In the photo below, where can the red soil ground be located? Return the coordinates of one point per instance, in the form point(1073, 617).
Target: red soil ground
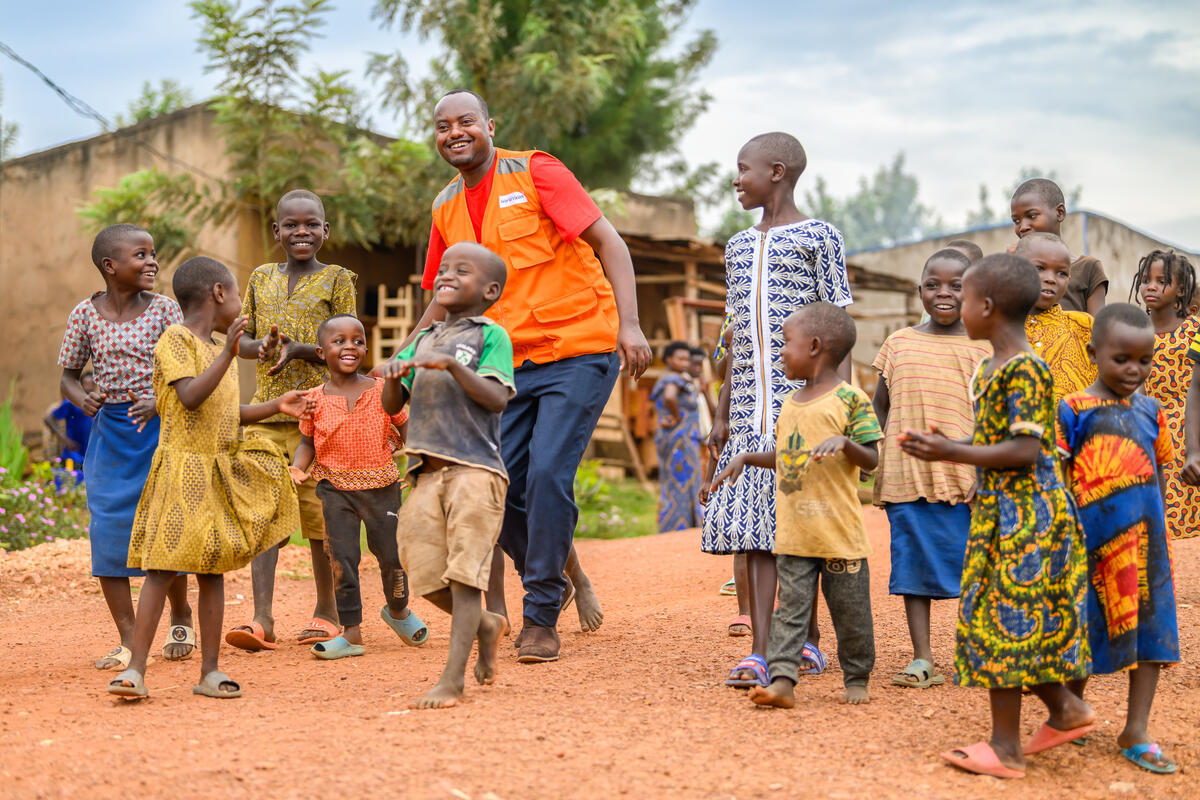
point(636, 709)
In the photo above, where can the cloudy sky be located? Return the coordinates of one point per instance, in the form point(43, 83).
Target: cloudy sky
point(1105, 93)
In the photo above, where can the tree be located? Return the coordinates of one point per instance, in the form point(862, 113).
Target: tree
point(589, 80)
point(8, 132)
point(154, 102)
point(984, 215)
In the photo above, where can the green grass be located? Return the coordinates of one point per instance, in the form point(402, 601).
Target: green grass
point(624, 510)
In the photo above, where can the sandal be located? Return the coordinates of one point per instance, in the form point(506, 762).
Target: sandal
point(1136, 753)
point(918, 675)
point(210, 686)
point(751, 663)
point(335, 648)
point(249, 637)
point(728, 588)
point(327, 628)
point(136, 689)
point(981, 759)
point(1047, 737)
point(180, 634)
point(121, 654)
point(411, 630)
point(814, 656)
point(740, 626)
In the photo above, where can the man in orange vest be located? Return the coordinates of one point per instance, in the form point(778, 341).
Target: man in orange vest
point(570, 308)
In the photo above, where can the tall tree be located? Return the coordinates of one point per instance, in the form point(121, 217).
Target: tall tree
point(154, 101)
point(590, 80)
point(8, 132)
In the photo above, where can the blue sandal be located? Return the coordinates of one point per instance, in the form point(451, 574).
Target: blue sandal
point(411, 630)
point(1136, 752)
point(337, 647)
point(813, 654)
point(752, 663)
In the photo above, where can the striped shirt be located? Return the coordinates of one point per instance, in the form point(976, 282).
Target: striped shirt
point(928, 378)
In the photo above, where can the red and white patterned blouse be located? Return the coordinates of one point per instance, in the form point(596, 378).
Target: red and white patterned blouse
point(354, 447)
point(122, 353)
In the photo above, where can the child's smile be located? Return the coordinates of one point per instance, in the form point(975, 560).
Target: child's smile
point(134, 262)
point(344, 342)
point(301, 229)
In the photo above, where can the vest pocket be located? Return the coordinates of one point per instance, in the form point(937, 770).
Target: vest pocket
point(524, 243)
point(567, 307)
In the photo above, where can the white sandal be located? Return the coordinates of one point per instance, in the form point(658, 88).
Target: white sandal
point(179, 634)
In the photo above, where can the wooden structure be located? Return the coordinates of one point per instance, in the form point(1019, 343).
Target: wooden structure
point(398, 313)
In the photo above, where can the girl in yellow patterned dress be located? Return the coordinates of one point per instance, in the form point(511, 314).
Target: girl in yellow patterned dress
point(211, 503)
point(1166, 284)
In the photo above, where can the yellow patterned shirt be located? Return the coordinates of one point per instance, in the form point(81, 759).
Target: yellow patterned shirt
point(316, 298)
point(1060, 339)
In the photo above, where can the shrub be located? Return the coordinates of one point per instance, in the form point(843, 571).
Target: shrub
point(35, 511)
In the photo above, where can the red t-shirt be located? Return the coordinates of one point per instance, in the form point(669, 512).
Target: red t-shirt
point(563, 200)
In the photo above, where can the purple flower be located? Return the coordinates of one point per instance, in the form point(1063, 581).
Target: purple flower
point(3, 529)
point(2, 511)
point(48, 521)
point(20, 518)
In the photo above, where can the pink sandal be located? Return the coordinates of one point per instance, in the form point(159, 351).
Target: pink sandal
point(740, 626)
point(981, 759)
point(327, 628)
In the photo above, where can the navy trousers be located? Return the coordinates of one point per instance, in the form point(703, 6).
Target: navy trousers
point(544, 431)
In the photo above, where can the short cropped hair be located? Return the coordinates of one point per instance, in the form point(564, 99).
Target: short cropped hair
point(106, 240)
point(783, 148)
point(490, 264)
point(1118, 313)
point(1044, 188)
point(947, 254)
point(1029, 240)
point(1010, 281)
point(321, 327)
point(195, 278)
point(300, 194)
point(831, 323)
point(699, 351)
point(972, 251)
point(674, 347)
point(482, 103)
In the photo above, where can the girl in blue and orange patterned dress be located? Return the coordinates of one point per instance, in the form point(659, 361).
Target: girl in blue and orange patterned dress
point(1021, 616)
point(677, 442)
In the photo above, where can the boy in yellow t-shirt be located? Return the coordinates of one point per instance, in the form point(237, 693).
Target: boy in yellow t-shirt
point(825, 434)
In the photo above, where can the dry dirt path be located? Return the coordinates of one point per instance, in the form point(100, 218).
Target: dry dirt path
point(636, 709)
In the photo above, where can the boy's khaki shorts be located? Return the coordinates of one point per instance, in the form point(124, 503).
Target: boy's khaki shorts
point(286, 435)
point(448, 526)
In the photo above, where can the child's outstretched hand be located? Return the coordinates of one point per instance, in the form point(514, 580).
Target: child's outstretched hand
point(392, 370)
point(931, 446)
point(830, 447)
point(299, 476)
point(269, 349)
point(92, 402)
point(287, 352)
point(142, 411)
point(234, 334)
point(732, 471)
point(297, 403)
point(435, 361)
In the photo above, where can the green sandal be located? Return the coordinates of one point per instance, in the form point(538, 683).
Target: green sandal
point(918, 675)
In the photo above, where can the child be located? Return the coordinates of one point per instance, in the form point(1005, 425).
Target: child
point(346, 445)
point(116, 330)
point(70, 427)
point(972, 251)
point(1038, 205)
point(1115, 445)
point(1166, 284)
point(924, 377)
point(771, 270)
point(285, 304)
point(826, 434)
point(211, 502)
point(1058, 337)
point(1021, 617)
point(677, 440)
point(458, 375)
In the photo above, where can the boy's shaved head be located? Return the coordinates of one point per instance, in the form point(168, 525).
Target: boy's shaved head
point(1031, 241)
point(783, 148)
point(107, 239)
point(1044, 188)
point(1118, 313)
point(196, 277)
point(1009, 280)
point(483, 109)
point(489, 263)
point(300, 194)
point(324, 324)
point(972, 251)
point(947, 254)
point(831, 324)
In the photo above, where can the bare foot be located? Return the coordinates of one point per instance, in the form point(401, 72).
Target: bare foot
point(491, 628)
point(588, 606)
point(440, 696)
point(780, 694)
point(855, 695)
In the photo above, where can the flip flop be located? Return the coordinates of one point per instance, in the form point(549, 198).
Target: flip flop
point(753, 663)
point(813, 653)
point(179, 634)
point(317, 624)
point(922, 670)
point(740, 626)
point(411, 630)
point(136, 689)
point(728, 588)
point(981, 759)
point(568, 597)
point(1047, 737)
point(210, 686)
point(1136, 752)
point(335, 648)
point(121, 653)
point(249, 637)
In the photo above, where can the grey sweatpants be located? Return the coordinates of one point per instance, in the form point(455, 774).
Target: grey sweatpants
point(846, 584)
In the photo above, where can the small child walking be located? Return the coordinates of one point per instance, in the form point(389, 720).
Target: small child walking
point(1058, 337)
point(1022, 618)
point(1166, 284)
point(1115, 446)
point(212, 502)
point(285, 304)
point(458, 375)
point(116, 330)
point(347, 445)
point(677, 440)
point(773, 269)
point(924, 377)
point(826, 434)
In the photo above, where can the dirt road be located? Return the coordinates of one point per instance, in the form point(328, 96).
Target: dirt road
point(636, 709)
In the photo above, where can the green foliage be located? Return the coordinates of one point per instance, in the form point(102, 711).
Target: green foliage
point(986, 215)
point(612, 510)
point(153, 102)
point(591, 81)
point(8, 132)
point(13, 454)
point(34, 512)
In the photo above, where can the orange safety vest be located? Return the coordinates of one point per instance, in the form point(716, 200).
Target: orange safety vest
point(557, 302)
